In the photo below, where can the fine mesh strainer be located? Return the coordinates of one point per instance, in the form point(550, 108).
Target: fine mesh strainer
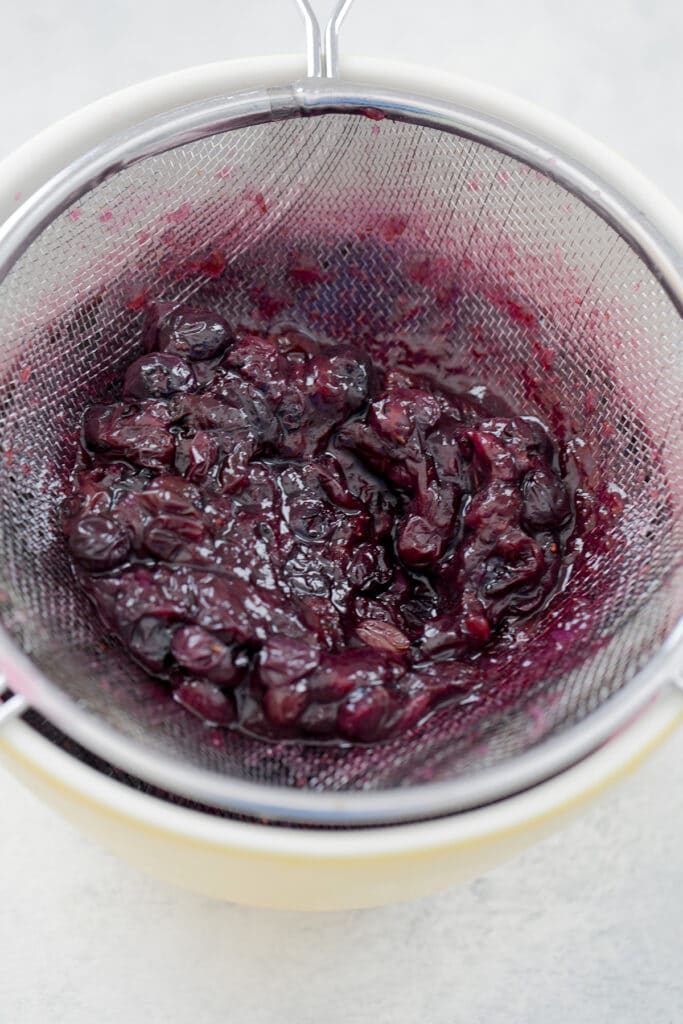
point(557, 280)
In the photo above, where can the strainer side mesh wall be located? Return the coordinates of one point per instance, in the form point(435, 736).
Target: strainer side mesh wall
point(417, 231)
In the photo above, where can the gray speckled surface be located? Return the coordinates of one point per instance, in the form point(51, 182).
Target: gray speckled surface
point(586, 926)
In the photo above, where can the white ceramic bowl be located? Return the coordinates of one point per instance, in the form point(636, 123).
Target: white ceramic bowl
point(304, 868)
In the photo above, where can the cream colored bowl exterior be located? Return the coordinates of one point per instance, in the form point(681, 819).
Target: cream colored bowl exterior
point(300, 868)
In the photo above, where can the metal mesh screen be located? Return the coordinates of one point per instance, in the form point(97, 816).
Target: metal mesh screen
point(554, 307)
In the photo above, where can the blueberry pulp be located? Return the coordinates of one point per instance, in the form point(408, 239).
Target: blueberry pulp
point(303, 541)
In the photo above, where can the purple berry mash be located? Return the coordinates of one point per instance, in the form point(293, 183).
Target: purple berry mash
point(305, 542)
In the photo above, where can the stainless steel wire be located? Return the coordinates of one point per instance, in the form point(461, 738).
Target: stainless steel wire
point(368, 198)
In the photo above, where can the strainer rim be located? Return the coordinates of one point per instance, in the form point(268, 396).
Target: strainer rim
point(429, 799)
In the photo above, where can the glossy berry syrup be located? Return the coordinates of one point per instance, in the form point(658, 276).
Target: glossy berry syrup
point(303, 541)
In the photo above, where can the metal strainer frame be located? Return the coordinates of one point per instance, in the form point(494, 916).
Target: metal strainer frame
point(319, 96)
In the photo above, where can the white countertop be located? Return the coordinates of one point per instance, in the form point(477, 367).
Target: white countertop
point(585, 927)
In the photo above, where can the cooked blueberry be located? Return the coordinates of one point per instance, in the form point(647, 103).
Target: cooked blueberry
point(343, 379)
point(419, 544)
point(368, 569)
point(516, 562)
point(398, 412)
point(99, 542)
point(284, 704)
point(203, 654)
point(150, 641)
point(192, 333)
point(413, 702)
point(338, 674)
point(283, 660)
point(138, 433)
point(206, 701)
point(195, 456)
point(292, 410)
point(319, 720)
point(310, 519)
point(158, 375)
point(362, 714)
point(546, 502)
point(169, 537)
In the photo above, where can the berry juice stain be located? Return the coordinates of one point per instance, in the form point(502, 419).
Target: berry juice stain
point(303, 540)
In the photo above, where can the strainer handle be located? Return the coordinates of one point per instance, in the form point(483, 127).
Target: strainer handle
point(16, 705)
point(322, 49)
